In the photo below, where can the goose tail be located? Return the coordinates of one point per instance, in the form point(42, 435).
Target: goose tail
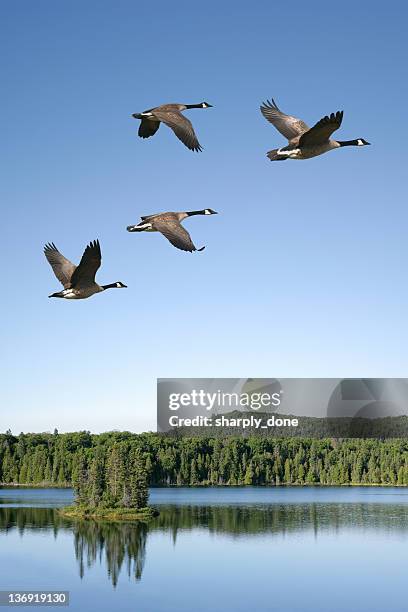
point(274, 156)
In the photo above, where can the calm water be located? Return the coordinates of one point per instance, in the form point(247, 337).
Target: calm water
point(228, 549)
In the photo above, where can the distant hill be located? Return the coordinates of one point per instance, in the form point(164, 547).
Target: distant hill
point(309, 427)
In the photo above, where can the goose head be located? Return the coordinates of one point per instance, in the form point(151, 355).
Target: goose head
point(357, 142)
point(210, 211)
point(117, 285)
point(205, 105)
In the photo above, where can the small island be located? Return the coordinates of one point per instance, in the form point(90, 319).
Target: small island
point(109, 514)
point(111, 487)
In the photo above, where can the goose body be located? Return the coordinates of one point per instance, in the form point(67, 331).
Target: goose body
point(169, 224)
point(171, 115)
point(305, 142)
point(78, 281)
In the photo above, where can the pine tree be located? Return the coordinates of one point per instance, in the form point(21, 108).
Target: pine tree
point(9, 467)
point(48, 471)
point(249, 474)
point(288, 471)
point(401, 476)
point(138, 486)
point(193, 473)
point(80, 479)
point(96, 479)
point(115, 474)
point(301, 474)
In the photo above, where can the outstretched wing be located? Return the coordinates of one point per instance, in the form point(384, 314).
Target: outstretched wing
point(322, 131)
point(149, 216)
point(176, 234)
point(62, 267)
point(288, 126)
point(181, 126)
point(148, 128)
point(84, 274)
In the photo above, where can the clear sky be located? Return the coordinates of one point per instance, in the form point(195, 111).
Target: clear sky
point(304, 273)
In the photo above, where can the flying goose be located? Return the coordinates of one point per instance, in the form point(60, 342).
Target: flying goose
point(170, 114)
point(305, 142)
point(169, 224)
point(78, 281)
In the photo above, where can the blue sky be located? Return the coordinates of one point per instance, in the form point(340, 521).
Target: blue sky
point(304, 273)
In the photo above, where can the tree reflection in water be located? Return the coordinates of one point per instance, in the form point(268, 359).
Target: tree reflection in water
point(123, 545)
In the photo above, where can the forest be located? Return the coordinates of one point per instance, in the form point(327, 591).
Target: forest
point(54, 459)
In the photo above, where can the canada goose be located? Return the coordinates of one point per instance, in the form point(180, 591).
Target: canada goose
point(305, 142)
point(170, 114)
point(168, 224)
point(78, 281)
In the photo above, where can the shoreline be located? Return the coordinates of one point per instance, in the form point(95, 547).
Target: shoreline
point(44, 485)
point(220, 486)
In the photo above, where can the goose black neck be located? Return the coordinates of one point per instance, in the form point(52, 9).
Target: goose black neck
point(194, 106)
point(195, 212)
point(348, 143)
point(111, 286)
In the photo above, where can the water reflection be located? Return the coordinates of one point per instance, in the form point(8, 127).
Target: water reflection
point(27, 519)
point(279, 519)
point(122, 546)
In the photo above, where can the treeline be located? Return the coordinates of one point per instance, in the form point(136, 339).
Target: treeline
point(60, 459)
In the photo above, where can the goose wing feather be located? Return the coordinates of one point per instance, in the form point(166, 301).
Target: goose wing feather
point(181, 126)
point(84, 274)
point(148, 128)
point(145, 217)
point(290, 127)
point(175, 233)
point(62, 267)
point(172, 106)
point(322, 130)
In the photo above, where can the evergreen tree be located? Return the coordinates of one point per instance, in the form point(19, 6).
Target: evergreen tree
point(249, 474)
point(288, 471)
point(96, 479)
point(138, 486)
point(80, 479)
point(116, 473)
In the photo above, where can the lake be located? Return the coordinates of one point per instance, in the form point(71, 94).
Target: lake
point(278, 549)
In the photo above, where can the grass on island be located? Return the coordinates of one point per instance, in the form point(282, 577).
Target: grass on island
point(110, 514)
